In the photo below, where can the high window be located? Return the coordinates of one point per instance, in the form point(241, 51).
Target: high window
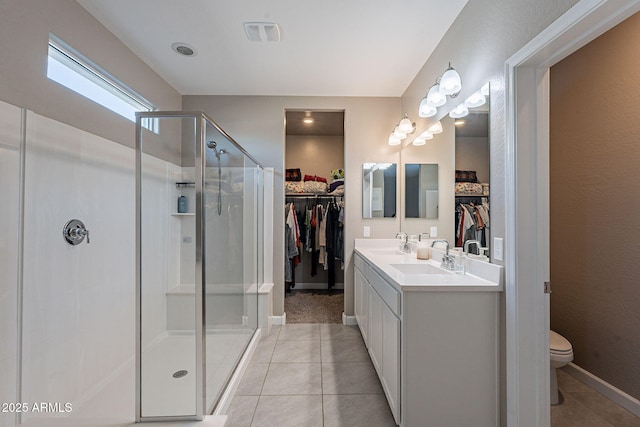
point(71, 69)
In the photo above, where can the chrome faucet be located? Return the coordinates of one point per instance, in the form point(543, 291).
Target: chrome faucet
point(469, 243)
point(404, 246)
point(447, 260)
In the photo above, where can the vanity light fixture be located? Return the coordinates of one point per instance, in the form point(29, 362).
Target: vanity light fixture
point(435, 128)
point(401, 130)
point(450, 82)
point(406, 126)
point(476, 99)
point(459, 112)
point(422, 139)
point(398, 134)
point(435, 97)
point(393, 140)
point(426, 109)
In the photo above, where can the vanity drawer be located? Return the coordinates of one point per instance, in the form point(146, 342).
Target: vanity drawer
point(388, 293)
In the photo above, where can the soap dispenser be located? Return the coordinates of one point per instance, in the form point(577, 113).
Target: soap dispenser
point(182, 204)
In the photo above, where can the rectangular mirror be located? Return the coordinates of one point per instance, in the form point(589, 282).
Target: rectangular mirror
point(378, 190)
point(421, 190)
point(472, 160)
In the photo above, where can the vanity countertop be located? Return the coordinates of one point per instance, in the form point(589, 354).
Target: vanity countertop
point(398, 268)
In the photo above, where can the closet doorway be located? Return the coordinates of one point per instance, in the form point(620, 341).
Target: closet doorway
point(314, 216)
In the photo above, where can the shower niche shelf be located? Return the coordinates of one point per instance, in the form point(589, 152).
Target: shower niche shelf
point(185, 184)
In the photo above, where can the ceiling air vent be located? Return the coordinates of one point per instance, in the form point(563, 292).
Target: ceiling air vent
point(262, 31)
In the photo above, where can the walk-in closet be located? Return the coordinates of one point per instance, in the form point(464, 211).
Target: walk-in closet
point(314, 216)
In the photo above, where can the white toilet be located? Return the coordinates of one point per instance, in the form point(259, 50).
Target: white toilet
point(561, 353)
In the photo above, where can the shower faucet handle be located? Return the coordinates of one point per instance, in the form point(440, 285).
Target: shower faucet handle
point(74, 232)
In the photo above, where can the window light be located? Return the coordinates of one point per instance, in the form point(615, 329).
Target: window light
point(74, 71)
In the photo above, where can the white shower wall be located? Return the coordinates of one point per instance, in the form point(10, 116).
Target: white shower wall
point(79, 301)
point(9, 238)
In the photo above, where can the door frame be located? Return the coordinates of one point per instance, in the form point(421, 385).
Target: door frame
point(527, 200)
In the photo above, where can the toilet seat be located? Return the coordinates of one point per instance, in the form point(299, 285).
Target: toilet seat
point(559, 344)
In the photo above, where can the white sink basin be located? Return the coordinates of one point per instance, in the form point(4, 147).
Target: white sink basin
point(419, 269)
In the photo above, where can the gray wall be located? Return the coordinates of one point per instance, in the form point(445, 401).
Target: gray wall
point(257, 122)
point(482, 38)
point(24, 36)
point(594, 158)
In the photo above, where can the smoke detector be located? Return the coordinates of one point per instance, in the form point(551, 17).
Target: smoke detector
point(262, 31)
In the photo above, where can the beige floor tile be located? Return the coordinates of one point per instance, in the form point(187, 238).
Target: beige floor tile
point(263, 352)
point(299, 332)
point(293, 379)
point(339, 332)
point(253, 379)
point(296, 351)
point(288, 411)
point(350, 378)
point(344, 351)
point(241, 410)
point(366, 410)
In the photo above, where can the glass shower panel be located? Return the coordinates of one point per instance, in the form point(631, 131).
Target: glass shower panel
point(231, 261)
point(169, 372)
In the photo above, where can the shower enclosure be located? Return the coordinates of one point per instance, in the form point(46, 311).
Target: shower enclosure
point(199, 203)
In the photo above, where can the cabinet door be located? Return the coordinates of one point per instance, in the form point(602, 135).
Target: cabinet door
point(391, 360)
point(375, 330)
point(361, 303)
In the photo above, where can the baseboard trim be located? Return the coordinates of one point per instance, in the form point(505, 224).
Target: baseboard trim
point(349, 320)
point(279, 320)
point(628, 402)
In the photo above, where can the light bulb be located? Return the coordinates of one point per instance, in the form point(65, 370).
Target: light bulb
point(419, 141)
point(393, 140)
point(450, 83)
point(398, 134)
point(435, 97)
point(460, 111)
point(405, 126)
point(435, 128)
point(426, 135)
point(426, 109)
point(475, 100)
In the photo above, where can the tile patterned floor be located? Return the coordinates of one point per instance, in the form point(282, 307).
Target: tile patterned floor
point(310, 375)
point(585, 407)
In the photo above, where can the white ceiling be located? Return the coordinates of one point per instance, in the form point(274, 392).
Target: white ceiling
point(328, 47)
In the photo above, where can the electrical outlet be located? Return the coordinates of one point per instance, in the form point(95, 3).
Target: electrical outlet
point(498, 248)
point(433, 232)
point(366, 231)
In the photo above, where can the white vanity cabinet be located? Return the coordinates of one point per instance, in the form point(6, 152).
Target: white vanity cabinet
point(361, 298)
point(379, 306)
point(435, 347)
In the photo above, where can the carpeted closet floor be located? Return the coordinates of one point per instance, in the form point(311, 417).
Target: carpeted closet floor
point(314, 306)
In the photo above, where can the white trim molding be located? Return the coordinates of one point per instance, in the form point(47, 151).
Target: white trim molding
point(349, 320)
point(279, 320)
point(527, 200)
point(628, 402)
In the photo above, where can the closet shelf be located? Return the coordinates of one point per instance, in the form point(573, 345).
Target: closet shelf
point(472, 195)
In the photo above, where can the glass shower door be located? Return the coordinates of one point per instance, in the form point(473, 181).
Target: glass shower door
point(232, 188)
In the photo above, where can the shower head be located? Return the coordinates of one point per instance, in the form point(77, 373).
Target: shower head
point(212, 145)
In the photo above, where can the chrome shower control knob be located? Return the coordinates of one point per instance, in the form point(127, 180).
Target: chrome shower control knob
point(74, 232)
